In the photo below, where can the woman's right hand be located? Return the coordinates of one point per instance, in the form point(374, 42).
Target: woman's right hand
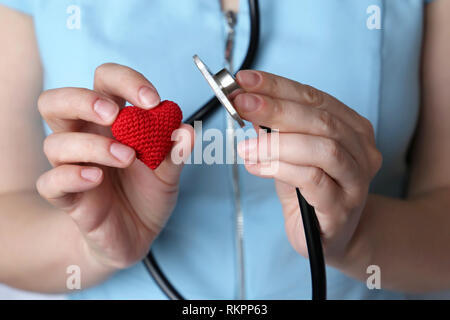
point(118, 204)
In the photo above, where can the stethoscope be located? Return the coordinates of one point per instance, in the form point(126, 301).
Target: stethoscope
point(223, 84)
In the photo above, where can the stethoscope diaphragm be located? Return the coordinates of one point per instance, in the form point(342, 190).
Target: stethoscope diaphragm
point(223, 84)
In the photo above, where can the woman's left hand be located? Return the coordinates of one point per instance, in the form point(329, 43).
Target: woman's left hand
point(324, 147)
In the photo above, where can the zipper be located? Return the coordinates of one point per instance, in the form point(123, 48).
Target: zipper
point(231, 20)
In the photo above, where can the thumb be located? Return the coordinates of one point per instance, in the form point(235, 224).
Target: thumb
point(170, 169)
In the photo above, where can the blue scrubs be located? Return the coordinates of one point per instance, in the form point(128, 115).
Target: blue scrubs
point(324, 43)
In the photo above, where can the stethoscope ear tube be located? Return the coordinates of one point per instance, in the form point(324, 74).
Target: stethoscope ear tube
point(310, 223)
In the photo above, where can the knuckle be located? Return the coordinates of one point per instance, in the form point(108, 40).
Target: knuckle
point(88, 148)
point(41, 103)
point(85, 100)
point(277, 111)
point(124, 74)
point(327, 122)
point(333, 150)
point(56, 148)
point(377, 159)
point(48, 144)
point(312, 96)
point(273, 83)
point(40, 182)
point(99, 71)
point(367, 124)
point(53, 178)
point(368, 127)
point(316, 176)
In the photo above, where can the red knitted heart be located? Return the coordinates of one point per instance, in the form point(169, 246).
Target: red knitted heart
point(148, 131)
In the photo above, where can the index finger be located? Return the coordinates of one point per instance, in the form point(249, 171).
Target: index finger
point(277, 87)
point(125, 84)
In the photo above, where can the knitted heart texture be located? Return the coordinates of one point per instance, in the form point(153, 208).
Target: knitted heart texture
point(148, 132)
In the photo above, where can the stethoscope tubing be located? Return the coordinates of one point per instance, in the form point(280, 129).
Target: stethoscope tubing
point(310, 223)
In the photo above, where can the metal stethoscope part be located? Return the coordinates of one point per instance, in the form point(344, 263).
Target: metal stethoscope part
point(223, 84)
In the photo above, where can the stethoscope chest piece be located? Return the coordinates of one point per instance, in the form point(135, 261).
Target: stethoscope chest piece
point(223, 84)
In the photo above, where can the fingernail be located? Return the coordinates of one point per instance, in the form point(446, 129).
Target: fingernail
point(149, 97)
point(248, 78)
point(105, 109)
point(91, 174)
point(121, 152)
point(247, 102)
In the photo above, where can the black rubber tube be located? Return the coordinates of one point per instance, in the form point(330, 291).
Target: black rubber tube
point(315, 251)
point(163, 283)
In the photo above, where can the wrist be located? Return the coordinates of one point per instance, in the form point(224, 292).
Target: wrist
point(358, 253)
point(94, 269)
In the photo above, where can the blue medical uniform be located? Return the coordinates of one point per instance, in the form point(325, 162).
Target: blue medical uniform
point(325, 43)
